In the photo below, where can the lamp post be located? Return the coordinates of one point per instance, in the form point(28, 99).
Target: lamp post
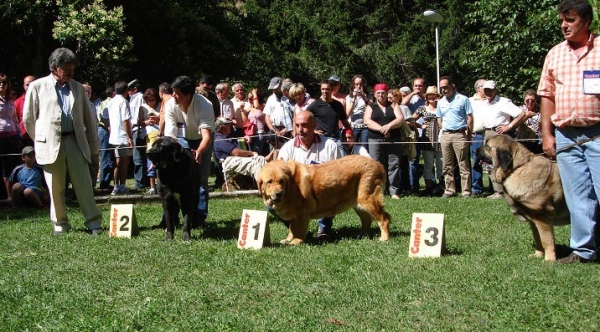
point(432, 16)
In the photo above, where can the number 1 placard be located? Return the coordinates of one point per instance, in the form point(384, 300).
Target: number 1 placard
point(426, 235)
point(254, 230)
point(122, 221)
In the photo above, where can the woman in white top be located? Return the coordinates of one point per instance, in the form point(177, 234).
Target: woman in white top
point(356, 103)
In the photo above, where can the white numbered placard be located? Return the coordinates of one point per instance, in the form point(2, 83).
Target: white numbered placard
point(122, 221)
point(426, 235)
point(254, 230)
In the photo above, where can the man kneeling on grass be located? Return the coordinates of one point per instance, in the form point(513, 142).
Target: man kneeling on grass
point(234, 159)
point(27, 181)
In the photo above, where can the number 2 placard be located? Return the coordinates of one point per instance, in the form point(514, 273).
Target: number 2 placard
point(426, 235)
point(254, 230)
point(122, 221)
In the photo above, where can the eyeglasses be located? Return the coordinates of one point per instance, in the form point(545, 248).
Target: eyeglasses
point(4, 82)
point(444, 87)
point(530, 100)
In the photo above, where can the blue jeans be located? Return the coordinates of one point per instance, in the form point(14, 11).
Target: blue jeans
point(476, 171)
point(139, 161)
point(204, 170)
point(107, 159)
point(580, 177)
point(361, 135)
point(414, 170)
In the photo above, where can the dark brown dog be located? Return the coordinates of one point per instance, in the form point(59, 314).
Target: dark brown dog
point(299, 192)
point(179, 183)
point(532, 189)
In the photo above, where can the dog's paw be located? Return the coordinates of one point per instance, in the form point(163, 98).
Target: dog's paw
point(537, 254)
point(384, 238)
point(169, 235)
point(285, 241)
point(295, 242)
point(186, 237)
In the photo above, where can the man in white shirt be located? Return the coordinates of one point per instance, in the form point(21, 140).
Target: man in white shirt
point(136, 100)
point(310, 148)
point(190, 119)
point(478, 104)
point(278, 112)
point(120, 136)
point(501, 116)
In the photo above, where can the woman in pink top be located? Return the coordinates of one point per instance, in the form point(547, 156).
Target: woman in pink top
point(256, 141)
point(10, 133)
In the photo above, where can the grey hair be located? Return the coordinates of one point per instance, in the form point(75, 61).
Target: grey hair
point(220, 87)
point(286, 85)
point(60, 56)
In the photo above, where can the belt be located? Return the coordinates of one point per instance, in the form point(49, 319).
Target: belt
point(68, 133)
point(461, 130)
point(359, 126)
point(493, 129)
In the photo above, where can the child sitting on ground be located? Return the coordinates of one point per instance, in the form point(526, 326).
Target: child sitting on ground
point(27, 181)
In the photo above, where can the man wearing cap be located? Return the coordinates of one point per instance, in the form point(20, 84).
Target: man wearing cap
point(189, 118)
point(58, 115)
point(499, 116)
point(234, 159)
point(336, 85)
point(278, 112)
point(140, 162)
point(455, 117)
point(27, 181)
point(328, 113)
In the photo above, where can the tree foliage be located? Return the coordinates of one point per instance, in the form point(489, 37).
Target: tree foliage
point(97, 36)
point(307, 40)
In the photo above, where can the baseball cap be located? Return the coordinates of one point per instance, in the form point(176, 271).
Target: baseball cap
point(489, 85)
point(27, 150)
point(220, 122)
point(133, 84)
point(274, 83)
point(334, 78)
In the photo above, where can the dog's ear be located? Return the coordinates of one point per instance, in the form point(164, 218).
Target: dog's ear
point(178, 151)
point(505, 159)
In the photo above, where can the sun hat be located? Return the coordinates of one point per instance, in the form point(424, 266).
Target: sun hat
point(432, 90)
point(275, 83)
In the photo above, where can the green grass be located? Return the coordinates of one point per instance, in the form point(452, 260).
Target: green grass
point(77, 282)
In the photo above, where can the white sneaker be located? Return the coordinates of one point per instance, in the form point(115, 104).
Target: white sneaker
point(152, 191)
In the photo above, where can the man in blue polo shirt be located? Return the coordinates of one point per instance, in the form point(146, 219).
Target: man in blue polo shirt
point(455, 117)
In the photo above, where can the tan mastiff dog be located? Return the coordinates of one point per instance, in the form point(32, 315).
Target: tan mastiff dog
point(299, 192)
point(532, 189)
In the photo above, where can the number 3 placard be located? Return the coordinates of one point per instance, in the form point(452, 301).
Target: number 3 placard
point(426, 235)
point(122, 221)
point(254, 230)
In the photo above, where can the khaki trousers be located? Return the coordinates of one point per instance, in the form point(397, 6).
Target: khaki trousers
point(456, 145)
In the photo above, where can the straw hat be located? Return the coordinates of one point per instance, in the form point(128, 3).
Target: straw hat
point(432, 90)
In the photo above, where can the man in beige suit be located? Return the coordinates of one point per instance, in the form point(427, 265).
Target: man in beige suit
point(58, 116)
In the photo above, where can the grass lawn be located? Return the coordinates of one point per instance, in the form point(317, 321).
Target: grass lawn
point(77, 282)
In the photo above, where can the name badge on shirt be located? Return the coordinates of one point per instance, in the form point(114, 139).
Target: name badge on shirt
point(591, 82)
point(180, 129)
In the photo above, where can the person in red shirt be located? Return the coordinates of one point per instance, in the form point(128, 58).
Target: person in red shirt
point(25, 139)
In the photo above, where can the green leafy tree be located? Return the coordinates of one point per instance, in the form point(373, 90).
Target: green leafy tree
point(97, 36)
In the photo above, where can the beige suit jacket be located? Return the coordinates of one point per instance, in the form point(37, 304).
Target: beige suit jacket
point(41, 115)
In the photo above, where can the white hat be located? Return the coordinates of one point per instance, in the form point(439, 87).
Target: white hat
point(489, 85)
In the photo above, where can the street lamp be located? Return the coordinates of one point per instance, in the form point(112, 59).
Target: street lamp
point(432, 16)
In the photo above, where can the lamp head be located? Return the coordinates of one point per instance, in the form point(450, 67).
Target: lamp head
point(432, 16)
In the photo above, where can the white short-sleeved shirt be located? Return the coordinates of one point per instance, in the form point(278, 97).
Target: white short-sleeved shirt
point(499, 112)
point(188, 125)
point(118, 111)
point(280, 112)
point(322, 150)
